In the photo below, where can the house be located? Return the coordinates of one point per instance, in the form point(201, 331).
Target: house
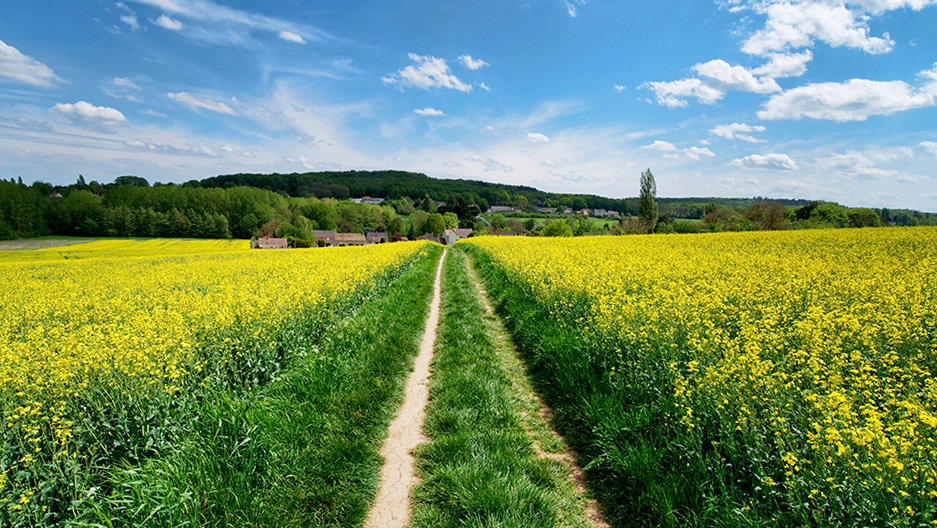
point(599, 212)
point(503, 209)
point(376, 237)
point(368, 200)
point(451, 236)
point(349, 239)
point(270, 243)
point(615, 214)
point(551, 210)
point(324, 238)
point(567, 211)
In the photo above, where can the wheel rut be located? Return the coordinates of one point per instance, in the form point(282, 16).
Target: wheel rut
point(391, 508)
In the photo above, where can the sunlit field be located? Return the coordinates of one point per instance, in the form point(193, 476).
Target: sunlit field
point(752, 378)
point(105, 347)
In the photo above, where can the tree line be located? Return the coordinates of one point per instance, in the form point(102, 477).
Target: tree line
point(294, 205)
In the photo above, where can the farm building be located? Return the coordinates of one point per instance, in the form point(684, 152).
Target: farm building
point(324, 238)
point(349, 239)
point(451, 236)
point(270, 243)
point(376, 237)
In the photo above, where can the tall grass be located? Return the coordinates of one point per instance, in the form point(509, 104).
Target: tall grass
point(480, 468)
point(301, 450)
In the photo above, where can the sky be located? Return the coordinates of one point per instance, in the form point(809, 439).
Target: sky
point(815, 99)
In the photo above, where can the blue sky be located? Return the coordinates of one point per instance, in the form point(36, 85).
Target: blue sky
point(796, 98)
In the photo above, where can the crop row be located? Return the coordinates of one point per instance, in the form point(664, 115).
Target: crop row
point(738, 379)
point(108, 348)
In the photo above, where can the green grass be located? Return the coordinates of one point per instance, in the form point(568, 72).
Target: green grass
point(302, 450)
point(480, 469)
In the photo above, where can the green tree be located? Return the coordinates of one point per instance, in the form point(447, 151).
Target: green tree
point(557, 228)
point(647, 211)
point(451, 220)
point(435, 224)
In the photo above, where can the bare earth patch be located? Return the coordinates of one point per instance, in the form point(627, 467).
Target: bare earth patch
point(15, 245)
point(391, 508)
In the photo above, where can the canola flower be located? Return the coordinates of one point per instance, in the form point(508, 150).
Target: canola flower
point(811, 354)
point(101, 342)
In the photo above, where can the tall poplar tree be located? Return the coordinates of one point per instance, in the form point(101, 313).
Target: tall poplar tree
point(647, 210)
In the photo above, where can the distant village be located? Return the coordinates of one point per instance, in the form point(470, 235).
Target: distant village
point(332, 238)
point(335, 239)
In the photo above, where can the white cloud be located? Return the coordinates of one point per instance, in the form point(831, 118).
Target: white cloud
point(429, 112)
point(472, 64)
point(535, 137)
point(196, 101)
point(292, 37)
point(739, 131)
point(768, 161)
point(218, 23)
point(661, 146)
point(490, 164)
point(725, 77)
point(697, 152)
point(129, 17)
point(428, 72)
point(855, 164)
point(929, 146)
point(484, 86)
point(14, 65)
point(796, 24)
point(785, 65)
point(86, 113)
point(124, 82)
point(718, 78)
point(853, 100)
point(168, 23)
point(619, 88)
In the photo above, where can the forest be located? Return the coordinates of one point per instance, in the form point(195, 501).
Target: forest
point(293, 205)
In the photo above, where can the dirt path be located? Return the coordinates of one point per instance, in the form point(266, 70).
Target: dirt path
point(398, 475)
point(544, 420)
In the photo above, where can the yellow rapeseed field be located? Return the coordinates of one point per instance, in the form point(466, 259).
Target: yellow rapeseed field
point(88, 332)
point(813, 353)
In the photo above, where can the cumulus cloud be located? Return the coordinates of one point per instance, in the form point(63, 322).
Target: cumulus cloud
point(168, 23)
point(791, 28)
point(292, 37)
point(619, 88)
point(472, 64)
point(86, 113)
point(661, 146)
point(21, 68)
point(716, 78)
point(739, 131)
point(929, 146)
point(196, 102)
point(698, 152)
point(669, 150)
point(535, 137)
point(429, 112)
point(428, 72)
point(768, 161)
point(853, 100)
point(854, 164)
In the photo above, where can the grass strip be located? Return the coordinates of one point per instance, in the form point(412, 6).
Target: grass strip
point(480, 468)
point(302, 450)
point(625, 476)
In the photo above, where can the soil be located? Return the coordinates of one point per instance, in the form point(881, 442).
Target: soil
point(391, 509)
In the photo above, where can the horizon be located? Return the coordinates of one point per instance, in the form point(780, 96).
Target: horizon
point(723, 99)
